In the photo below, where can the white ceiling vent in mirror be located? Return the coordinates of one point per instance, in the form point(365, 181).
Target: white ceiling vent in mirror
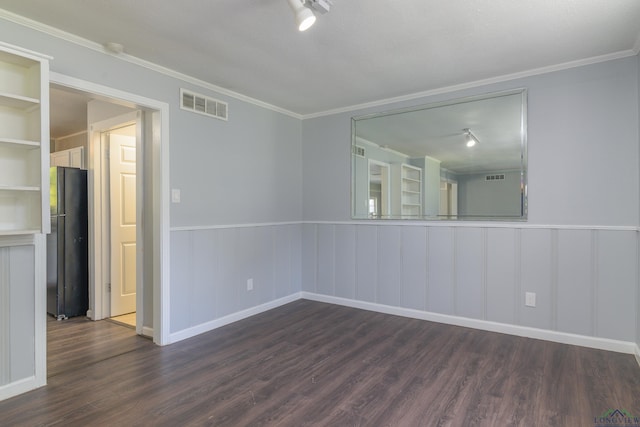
point(203, 105)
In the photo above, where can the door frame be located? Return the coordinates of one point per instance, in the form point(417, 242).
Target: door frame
point(156, 150)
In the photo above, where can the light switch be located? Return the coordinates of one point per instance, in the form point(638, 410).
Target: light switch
point(175, 195)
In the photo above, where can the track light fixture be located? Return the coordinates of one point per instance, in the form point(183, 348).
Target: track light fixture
point(304, 16)
point(470, 137)
point(303, 11)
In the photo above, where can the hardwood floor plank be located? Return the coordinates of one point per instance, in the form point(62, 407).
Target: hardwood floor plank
point(314, 364)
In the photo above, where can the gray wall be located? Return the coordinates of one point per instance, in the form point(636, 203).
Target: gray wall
point(577, 252)
point(244, 171)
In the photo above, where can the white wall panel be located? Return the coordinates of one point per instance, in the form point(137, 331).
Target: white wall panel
point(345, 261)
point(537, 276)
point(575, 282)
point(389, 265)
point(617, 284)
point(181, 280)
point(503, 281)
point(413, 292)
point(22, 296)
point(310, 257)
point(366, 262)
point(205, 257)
point(326, 259)
point(282, 258)
point(5, 317)
point(441, 270)
point(470, 273)
point(260, 268)
point(228, 265)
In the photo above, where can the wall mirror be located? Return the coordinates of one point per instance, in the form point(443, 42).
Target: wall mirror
point(464, 159)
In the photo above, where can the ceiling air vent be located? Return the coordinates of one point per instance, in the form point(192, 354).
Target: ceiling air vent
point(498, 177)
point(203, 105)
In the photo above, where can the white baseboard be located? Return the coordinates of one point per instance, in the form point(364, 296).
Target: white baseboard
point(19, 387)
point(147, 332)
point(637, 354)
point(485, 325)
point(234, 317)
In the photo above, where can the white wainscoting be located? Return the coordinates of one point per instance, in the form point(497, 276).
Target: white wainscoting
point(210, 267)
point(585, 278)
point(22, 314)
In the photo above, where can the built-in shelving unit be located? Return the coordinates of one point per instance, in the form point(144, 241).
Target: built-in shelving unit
point(24, 142)
point(406, 193)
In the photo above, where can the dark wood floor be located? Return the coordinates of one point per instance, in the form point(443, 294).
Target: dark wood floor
point(316, 364)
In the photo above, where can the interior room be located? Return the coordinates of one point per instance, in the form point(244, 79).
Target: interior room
point(407, 213)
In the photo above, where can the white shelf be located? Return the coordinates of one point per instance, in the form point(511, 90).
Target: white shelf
point(18, 102)
point(18, 188)
point(406, 192)
point(19, 143)
point(24, 144)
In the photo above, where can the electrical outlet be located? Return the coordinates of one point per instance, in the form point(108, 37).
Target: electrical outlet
point(249, 284)
point(530, 299)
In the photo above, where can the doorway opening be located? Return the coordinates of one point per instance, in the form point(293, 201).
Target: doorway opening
point(143, 274)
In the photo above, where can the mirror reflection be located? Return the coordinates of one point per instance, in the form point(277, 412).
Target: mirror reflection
point(462, 159)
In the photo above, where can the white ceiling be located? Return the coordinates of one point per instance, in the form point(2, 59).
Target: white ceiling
point(360, 52)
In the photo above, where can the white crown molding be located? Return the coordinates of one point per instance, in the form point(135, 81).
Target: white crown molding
point(55, 32)
point(483, 82)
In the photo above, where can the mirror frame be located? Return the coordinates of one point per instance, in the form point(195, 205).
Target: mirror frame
point(524, 208)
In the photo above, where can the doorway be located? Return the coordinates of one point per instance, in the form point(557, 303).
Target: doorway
point(152, 205)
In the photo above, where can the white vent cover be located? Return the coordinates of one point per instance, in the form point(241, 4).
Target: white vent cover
point(357, 150)
point(203, 105)
point(497, 177)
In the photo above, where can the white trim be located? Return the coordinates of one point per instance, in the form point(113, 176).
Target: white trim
point(147, 332)
point(484, 325)
point(72, 38)
point(37, 56)
point(479, 83)
point(17, 240)
point(227, 226)
point(234, 317)
point(417, 223)
point(637, 354)
point(40, 307)
point(19, 387)
point(70, 135)
point(160, 154)
point(477, 224)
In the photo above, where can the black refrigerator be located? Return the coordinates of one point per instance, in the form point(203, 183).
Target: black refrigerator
point(67, 245)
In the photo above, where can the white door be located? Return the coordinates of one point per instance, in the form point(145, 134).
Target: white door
point(122, 183)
